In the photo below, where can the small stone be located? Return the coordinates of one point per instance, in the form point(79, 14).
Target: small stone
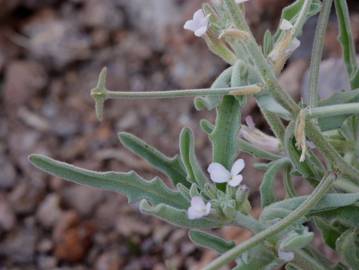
point(74, 243)
point(49, 210)
point(8, 175)
point(109, 261)
point(22, 80)
point(19, 245)
point(46, 262)
point(24, 198)
point(83, 199)
point(7, 216)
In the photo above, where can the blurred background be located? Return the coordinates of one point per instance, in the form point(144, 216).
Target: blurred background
point(51, 52)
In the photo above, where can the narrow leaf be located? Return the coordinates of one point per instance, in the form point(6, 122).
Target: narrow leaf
point(348, 248)
point(171, 166)
point(248, 148)
point(189, 159)
point(129, 184)
point(210, 241)
point(224, 136)
point(346, 37)
point(267, 186)
point(329, 202)
point(177, 217)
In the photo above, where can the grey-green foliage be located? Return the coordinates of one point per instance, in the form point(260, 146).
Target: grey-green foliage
point(189, 159)
point(171, 166)
point(129, 184)
point(210, 241)
point(178, 217)
point(347, 246)
point(281, 224)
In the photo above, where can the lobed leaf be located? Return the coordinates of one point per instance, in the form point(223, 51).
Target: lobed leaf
point(129, 184)
point(210, 241)
point(347, 246)
point(267, 188)
point(189, 158)
point(170, 166)
point(177, 216)
point(329, 202)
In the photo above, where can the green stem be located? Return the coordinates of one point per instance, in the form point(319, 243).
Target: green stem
point(314, 134)
point(317, 52)
point(265, 71)
point(248, 222)
point(304, 261)
point(333, 110)
point(302, 210)
point(180, 93)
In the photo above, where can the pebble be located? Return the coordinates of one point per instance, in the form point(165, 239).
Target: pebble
point(83, 199)
point(7, 216)
point(49, 210)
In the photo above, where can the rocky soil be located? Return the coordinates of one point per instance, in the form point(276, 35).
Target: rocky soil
point(51, 52)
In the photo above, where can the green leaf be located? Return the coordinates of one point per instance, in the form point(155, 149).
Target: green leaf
point(224, 136)
point(211, 102)
point(254, 151)
point(296, 241)
point(210, 241)
point(170, 166)
point(177, 217)
point(348, 216)
point(267, 188)
point(258, 258)
point(330, 231)
point(206, 126)
point(329, 202)
point(189, 159)
point(269, 104)
point(267, 43)
point(129, 184)
point(346, 38)
point(310, 168)
point(347, 246)
point(335, 122)
point(292, 11)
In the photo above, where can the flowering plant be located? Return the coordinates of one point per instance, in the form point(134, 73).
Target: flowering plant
point(203, 201)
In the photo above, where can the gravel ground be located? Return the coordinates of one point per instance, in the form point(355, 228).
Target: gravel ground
point(51, 52)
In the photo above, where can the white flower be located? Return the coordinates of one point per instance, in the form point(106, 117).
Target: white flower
point(199, 24)
point(285, 25)
point(241, 1)
point(198, 208)
point(286, 256)
point(219, 174)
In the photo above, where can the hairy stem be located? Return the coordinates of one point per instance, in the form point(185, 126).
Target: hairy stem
point(317, 52)
point(302, 210)
point(333, 110)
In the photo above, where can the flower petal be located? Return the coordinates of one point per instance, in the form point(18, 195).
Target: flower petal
point(193, 213)
point(198, 15)
point(201, 31)
point(197, 203)
point(218, 173)
point(285, 25)
point(286, 256)
point(237, 167)
point(208, 208)
point(236, 180)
